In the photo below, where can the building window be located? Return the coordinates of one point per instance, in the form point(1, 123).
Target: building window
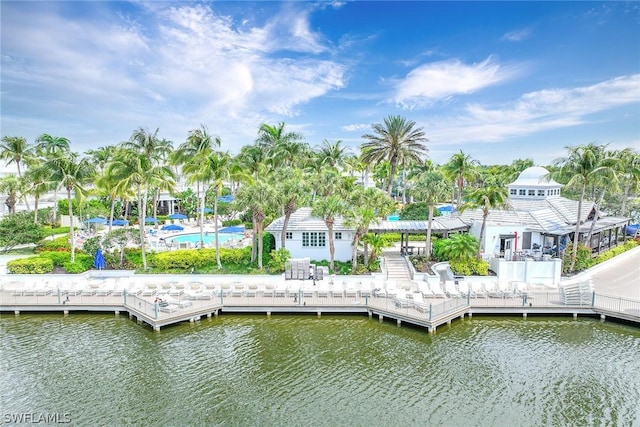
point(513, 191)
point(522, 192)
point(338, 235)
point(526, 240)
point(288, 235)
point(540, 192)
point(313, 239)
point(532, 192)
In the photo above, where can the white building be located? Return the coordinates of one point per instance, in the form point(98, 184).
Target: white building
point(307, 236)
point(538, 221)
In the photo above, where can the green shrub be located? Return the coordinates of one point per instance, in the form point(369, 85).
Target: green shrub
point(58, 258)
point(31, 265)
point(231, 222)
point(57, 230)
point(583, 259)
point(469, 267)
point(82, 263)
point(59, 244)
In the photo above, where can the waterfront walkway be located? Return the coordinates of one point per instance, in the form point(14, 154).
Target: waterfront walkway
point(162, 300)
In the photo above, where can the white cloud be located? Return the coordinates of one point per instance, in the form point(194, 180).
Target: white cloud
point(185, 66)
point(516, 36)
point(436, 81)
point(536, 111)
point(356, 127)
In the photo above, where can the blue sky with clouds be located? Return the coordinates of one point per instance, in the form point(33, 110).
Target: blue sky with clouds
point(499, 80)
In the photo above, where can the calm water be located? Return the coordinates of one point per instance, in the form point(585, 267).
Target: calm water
point(208, 238)
point(333, 371)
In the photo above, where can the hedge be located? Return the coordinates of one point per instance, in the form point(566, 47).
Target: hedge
point(31, 265)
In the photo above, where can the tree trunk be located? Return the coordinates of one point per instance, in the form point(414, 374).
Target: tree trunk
point(392, 174)
point(576, 237)
point(354, 253)
point(201, 217)
point(283, 235)
point(332, 248)
point(260, 243)
point(72, 231)
point(254, 242)
point(483, 227)
point(142, 196)
point(111, 212)
point(215, 228)
point(595, 216)
point(35, 210)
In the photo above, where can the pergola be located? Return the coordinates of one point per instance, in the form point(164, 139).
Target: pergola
point(439, 225)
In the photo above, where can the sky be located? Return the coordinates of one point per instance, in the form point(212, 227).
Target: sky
point(498, 80)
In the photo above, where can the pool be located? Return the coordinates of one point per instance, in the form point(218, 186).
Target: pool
point(208, 237)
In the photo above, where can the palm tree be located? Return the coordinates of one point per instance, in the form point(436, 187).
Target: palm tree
point(396, 141)
point(328, 208)
point(487, 199)
point(460, 168)
point(331, 154)
point(431, 188)
point(217, 167)
point(72, 172)
point(16, 149)
point(139, 166)
point(367, 205)
point(460, 247)
point(293, 191)
point(629, 175)
point(579, 167)
point(258, 197)
point(39, 179)
point(47, 148)
point(12, 186)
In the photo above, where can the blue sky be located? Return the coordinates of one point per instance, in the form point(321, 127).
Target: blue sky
point(499, 80)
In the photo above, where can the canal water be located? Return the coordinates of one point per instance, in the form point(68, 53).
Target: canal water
point(333, 371)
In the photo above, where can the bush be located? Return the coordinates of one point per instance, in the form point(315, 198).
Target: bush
point(31, 265)
point(231, 222)
point(60, 244)
point(583, 259)
point(58, 258)
point(82, 263)
point(58, 230)
point(470, 267)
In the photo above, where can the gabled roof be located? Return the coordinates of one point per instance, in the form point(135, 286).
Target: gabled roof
point(438, 224)
point(302, 220)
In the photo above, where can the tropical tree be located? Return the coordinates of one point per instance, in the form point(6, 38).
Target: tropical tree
point(487, 199)
point(292, 191)
point(629, 175)
point(47, 148)
point(367, 206)
point(16, 149)
point(73, 173)
point(331, 154)
point(579, 168)
point(329, 208)
point(397, 141)
point(274, 139)
point(12, 186)
point(431, 188)
point(218, 167)
point(138, 166)
point(461, 168)
point(460, 247)
point(258, 197)
point(39, 179)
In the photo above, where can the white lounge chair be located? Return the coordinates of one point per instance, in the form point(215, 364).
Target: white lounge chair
point(478, 289)
point(450, 289)
point(401, 300)
point(424, 289)
point(464, 289)
point(419, 303)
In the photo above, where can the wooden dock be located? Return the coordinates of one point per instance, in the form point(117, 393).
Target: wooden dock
point(430, 315)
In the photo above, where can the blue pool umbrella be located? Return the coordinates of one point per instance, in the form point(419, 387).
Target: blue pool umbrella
point(96, 220)
point(207, 210)
point(151, 220)
point(98, 260)
point(119, 222)
point(172, 227)
point(177, 216)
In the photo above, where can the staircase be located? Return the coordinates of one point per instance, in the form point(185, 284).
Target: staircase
point(396, 267)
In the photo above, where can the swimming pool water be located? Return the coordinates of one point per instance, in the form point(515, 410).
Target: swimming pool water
point(209, 238)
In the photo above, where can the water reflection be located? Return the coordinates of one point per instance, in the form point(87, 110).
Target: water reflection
point(296, 370)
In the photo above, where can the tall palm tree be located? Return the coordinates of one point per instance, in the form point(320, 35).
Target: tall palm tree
point(39, 179)
point(191, 154)
point(292, 191)
point(328, 208)
point(16, 149)
point(397, 140)
point(367, 205)
point(579, 167)
point(629, 175)
point(461, 168)
point(73, 173)
point(431, 188)
point(259, 198)
point(217, 167)
point(47, 148)
point(487, 199)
